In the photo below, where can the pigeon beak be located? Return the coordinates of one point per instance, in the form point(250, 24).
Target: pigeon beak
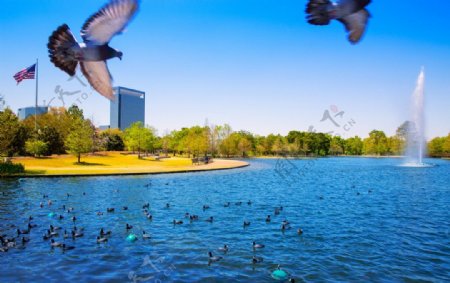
point(120, 54)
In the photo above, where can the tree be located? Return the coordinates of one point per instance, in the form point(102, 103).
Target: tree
point(446, 145)
point(354, 146)
point(436, 147)
point(279, 146)
point(403, 129)
point(149, 139)
point(137, 137)
point(53, 139)
point(57, 119)
point(79, 140)
point(75, 112)
point(376, 143)
point(337, 145)
point(36, 147)
point(244, 146)
point(395, 145)
point(197, 141)
point(112, 140)
point(9, 128)
point(229, 146)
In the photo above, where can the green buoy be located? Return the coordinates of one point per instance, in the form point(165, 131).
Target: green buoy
point(51, 214)
point(131, 238)
point(280, 274)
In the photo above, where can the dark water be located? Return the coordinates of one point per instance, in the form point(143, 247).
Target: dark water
point(363, 220)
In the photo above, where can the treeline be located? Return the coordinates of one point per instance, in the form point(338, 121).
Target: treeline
point(67, 131)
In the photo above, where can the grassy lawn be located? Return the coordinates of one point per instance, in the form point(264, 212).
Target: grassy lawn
point(113, 163)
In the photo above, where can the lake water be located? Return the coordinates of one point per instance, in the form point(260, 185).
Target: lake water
point(362, 220)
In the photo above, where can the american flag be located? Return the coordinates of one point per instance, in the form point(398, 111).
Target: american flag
point(25, 74)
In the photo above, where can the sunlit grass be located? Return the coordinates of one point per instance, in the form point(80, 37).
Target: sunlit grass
point(112, 163)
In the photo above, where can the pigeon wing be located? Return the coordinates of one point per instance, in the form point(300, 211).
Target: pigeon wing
point(98, 75)
point(317, 12)
point(109, 21)
point(355, 24)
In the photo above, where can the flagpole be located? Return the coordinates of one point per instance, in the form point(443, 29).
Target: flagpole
point(36, 101)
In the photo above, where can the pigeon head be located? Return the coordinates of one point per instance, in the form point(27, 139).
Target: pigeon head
point(119, 54)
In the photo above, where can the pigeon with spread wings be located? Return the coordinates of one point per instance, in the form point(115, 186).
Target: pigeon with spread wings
point(352, 13)
point(65, 52)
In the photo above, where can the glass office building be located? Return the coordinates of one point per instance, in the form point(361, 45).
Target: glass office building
point(24, 113)
point(127, 108)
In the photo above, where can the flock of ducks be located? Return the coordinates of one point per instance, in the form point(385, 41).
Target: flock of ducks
point(21, 238)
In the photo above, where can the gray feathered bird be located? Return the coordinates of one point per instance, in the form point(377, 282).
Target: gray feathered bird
point(65, 52)
point(352, 13)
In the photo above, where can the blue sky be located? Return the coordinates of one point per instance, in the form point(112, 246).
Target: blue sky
point(256, 65)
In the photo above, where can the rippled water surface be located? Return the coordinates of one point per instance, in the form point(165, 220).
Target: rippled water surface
point(363, 220)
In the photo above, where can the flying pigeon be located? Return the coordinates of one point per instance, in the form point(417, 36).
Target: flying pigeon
point(65, 52)
point(352, 13)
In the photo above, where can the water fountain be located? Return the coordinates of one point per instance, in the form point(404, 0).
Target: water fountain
point(416, 145)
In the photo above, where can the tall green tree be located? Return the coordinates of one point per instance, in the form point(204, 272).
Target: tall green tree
point(376, 143)
point(9, 130)
point(337, 145)
point(54, 140)
point(354, 146)
point(134, 137)
point(436, 147)
point(79, 140)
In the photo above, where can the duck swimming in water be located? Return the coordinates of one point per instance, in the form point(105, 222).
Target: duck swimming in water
point(210, 219)
point(256, 260)
point(25, 240)
point(67, 248)
point(54, 244)
point(145, 235)
point(257, 246)
point(213, 258)
point(54, 228)
point(246, 223)
point(103, 233)
point(101, 240)
point(128, 227)
point(224, 248)
point(268, 218)
point(30, 225)
point(77, 234)
point(19, 232)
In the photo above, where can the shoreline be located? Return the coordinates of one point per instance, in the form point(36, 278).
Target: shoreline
point(124, 170)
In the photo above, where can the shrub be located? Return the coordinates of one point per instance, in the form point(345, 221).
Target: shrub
point(36, 147)
point(9, 168)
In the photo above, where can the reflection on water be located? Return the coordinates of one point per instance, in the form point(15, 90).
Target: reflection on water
point(363, 220)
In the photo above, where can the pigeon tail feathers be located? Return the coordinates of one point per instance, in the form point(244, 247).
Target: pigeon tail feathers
point(60, 48)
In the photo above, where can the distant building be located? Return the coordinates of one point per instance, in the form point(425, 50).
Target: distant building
point(24, 113)
point(127, 108)
point(104, 127)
